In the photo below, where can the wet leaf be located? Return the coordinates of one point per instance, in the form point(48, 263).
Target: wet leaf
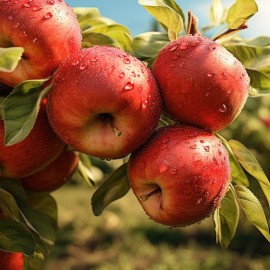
point(20, 109)
point(113, 188)
point(226, 219)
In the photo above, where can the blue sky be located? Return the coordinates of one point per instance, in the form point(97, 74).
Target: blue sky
point(136, 18)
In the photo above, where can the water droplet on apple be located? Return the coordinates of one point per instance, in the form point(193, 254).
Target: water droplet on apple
point(23, 34)
point(126, 61)
point(36, 8)
point(223, 108)
point(50, 2)
point(199, 201)
point(83, 66)
point(34, 40)
point(75, 62)
point(144, 104)
point(26, 5)
point(165, 140)
point(10, 18)
point(94, 59)
point(190, 82)
point(184, 46)
point(210, 74)
point(173, 171)
point(172, 65)
point(206, 148)
point(212, 47)
point(122, 75)
point(176, 56)
point(193, 146)
point(207, 94)
point(129, 86)
point(48, 15)
point(164, 166)
point(16, 25)
point(182, 64)
point(173, 47)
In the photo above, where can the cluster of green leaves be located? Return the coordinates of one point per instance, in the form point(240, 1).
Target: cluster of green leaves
point(28, 222)
point(20, 108)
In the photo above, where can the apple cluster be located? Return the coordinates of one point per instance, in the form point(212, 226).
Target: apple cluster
point(106, 103)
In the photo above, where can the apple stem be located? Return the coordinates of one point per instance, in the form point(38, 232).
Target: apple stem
point(192, 24)
point(116, 132)
point(150, 194)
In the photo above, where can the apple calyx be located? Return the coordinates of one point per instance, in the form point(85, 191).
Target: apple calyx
point(108, 119)
point(150, 194)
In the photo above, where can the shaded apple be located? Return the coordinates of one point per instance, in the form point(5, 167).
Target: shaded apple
point(201, 83)
point(180, 175)
point(11, 261)
point(39, 148)
point(54, 175)
point(47, 30)
point(104, 102)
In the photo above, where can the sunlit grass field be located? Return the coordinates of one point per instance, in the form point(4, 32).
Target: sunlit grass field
point(123, 238)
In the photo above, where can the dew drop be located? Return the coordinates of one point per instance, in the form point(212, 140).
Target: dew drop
point(16, 25)
point(122, 75)
point(75, 62)
point(190, 82)
point(83, 66)
point(129, 86)
point(172, 65)
point(212, 47)
point(26, 5)
point(36, 8)
point(164, 166)
point(48, 15)
point(173, 171)
point(94, 59)
point(165, 140)
point(223, 108)
point(50, 2)
point(193, 146)
point(34, 40)
point(133, 74)
point(10, 18)
point(144, 104)
point(183, 46)
point(182, 64)
point(126, 61)
point(206, 148)
point(173, 47)
point(176, 56)
point(199, 201)
point(207, 94)
point(210, 74)
point(23, 34)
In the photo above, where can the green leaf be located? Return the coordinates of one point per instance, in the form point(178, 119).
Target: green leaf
point(253, 209)
point(9, 205)
point(226, 219)
point(21, 108)
point(240, 12)
point(238, 175)
point(91, 39)
point(217, 13)
point(41, 224)
point(148, 44)
point(14, 187)
point(16, 237)
point(165, 15)
point(255, 56)
point(45, 204)
point(113, 188)
point(9, 58)
point(251, 165)
point(119, 33)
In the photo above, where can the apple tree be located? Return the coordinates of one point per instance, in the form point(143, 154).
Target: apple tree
point(161, 102)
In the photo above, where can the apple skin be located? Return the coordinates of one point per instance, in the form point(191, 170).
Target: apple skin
point(11, 261)
point(187, 171)
point(47, 30)
point(38, 149)
point(54, 175)
point(98, 94)
point(201, 83)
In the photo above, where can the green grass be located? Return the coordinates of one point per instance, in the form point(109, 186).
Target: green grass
point(123, 238)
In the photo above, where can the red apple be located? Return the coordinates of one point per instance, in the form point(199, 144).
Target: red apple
point(54, 175)
point(39, 148)
point(47, 30)
point(180, 175)
point(11, 261)
point(201, 83)
point(104, 102)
